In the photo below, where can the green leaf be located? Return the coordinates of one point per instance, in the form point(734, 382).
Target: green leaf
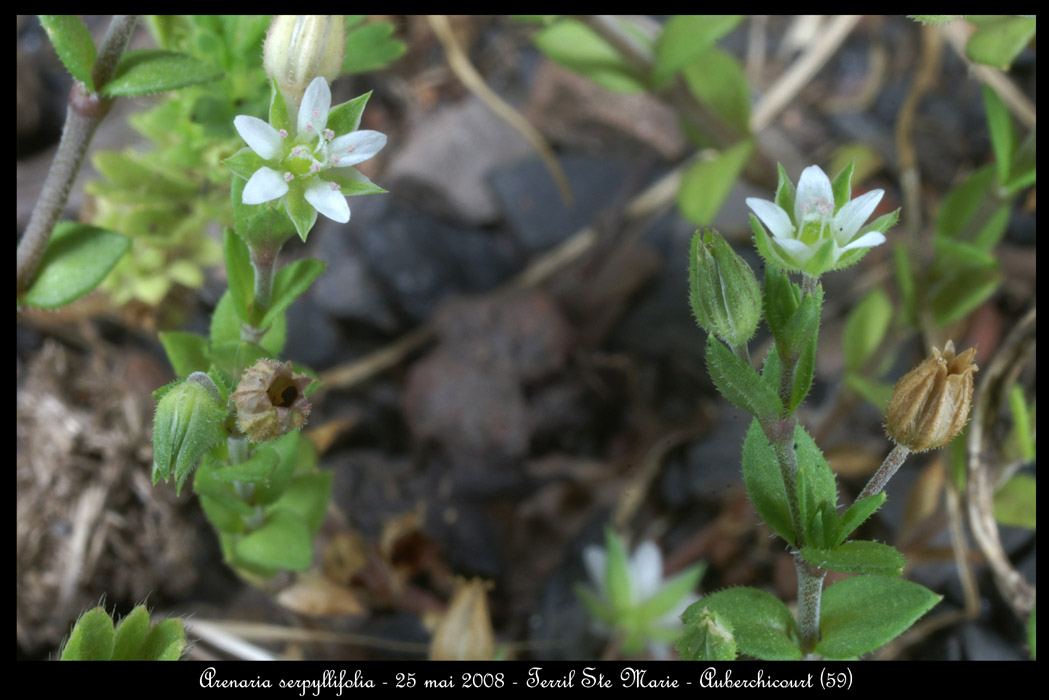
point(283, 542)
point(165, 641)
point(73, 44)
point(241, 276)
point(706, 184)
point(803, 373)
point(370, 47)
point(802, 327)
point(289, 284)
point(761, 624)
point(1014, 502)
point(1032, 631)
point(764, 482)
point(739, 383)
point(964, 290)
point(130, 634)
point(904, 279)
point(858, 513)
point(717, 80)
point(951, 252)
point(225, 327)
point(92, 638)
point(865, 328)
point(999, 39)
point(307, 497)
point(78, 257)
point(291, 449)
point(863, 613)
point(1003, 133)
point(187, 352)
point(617, 572)
point(1022, 434)
point(257, 469)
point(815, 480)
point(685, 38)
point(857, 557)
point(708, 638)
point(149, 71)
point(575, 46)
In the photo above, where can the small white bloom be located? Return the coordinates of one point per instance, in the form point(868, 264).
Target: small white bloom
point(814, 222)
point(310, 164)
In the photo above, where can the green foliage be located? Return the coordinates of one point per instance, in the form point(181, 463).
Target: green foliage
point(572, 44)
point(764, 483)
point(999, 39)
point(762, 626)
point(1014, 502)
point(94, 638)
point(76, 260)
point(686, 38)
point(706, 184)
point(849, 625)
point(857, 557)
point(149, 71)
point(369, 46)
point(739, 383)
point(73, 44)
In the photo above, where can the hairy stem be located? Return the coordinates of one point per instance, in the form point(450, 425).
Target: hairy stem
point(83, 115)
point(881, 477)
point(264, 261)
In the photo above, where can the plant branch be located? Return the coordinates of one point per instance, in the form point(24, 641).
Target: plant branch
point(892, 463)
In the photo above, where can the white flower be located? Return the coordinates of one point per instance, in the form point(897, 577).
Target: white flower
point(312, 164)
point(799, 235)
point(648, 610)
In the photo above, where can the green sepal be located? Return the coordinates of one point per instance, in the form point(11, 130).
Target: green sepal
point(857, 514)
point(671, 593)
point(92, 638)
point(857, 557)
point(785, 191)
point(279, 116)
point(762, 624)
point(143, 72)
point(847, 626)
point(346, 118)
point(764, 482)
point(823, 259)
point(768, 250)
point(594, 604)
point(283, 542)
point(617, 573)
point(290, 282)
point(841, 186)
point(73, 44)
point(77, 258)
point(130, 634)
point(265, 225)
point(301, 212)
point(351, 181)
point(244, 163)
point(739, 383)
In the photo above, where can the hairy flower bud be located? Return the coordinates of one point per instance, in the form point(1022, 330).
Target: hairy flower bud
point(271, 400)
point(300, 48)
point(723, 291)
point(187, 423)
point(930, 404)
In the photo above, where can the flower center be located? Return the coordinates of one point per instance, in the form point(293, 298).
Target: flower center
point(299, 163)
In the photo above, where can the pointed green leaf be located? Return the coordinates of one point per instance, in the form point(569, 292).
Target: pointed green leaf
point(858, 513)
point(716, 79)
point(964, 290)
point(284, 542)
point(685, 38)
point(804, 373)
point(73, 44)
point(92, 638)
point(149, 71)
point(240, 275)
point(706, 184)
point(764, 482)
point(865, 327)
point(739, 383)
point(761, 624)
point(187, 352)
point(815, 479)
point(1003, 133)
point(999, 39)
point(78, 257)
point(1015, 502)
point(293, 455)
point(847, 626)
point(307, 497)
point(130, 634)
point(257, 469)
point(858, 557)
point(289, 284)
point(225, 327)
point(575, 46)
point(598, 608)
point(370, 47)
point(617, 572)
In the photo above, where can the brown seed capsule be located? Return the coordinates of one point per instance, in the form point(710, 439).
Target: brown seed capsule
point(271, 400)
point(930, 404)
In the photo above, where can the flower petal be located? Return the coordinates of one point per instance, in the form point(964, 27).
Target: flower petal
point(814, 198)
point(260, 136)
point(594, 559)
point(266, 184)
point(797, 251)
point(356, 147)
point(646, 571)
point(852, 216)
point(773, 216)
point(331, 203)
point(313, 112)
point(867, 240)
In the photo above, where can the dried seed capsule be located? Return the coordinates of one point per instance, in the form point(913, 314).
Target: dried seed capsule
point(271, 400)
point(930, 404)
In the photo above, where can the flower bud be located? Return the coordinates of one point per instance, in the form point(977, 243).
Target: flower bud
point(723, 291)
point(299, 48)
point(271, 400)
point(930, 404)
point(187, 423)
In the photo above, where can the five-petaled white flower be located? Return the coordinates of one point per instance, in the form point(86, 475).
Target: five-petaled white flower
point(311, 163)
point(815, 227)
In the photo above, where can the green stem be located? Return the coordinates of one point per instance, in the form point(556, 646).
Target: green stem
point(84, 113)
point(810, 590)
point(889, 467)
point(264, 261)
